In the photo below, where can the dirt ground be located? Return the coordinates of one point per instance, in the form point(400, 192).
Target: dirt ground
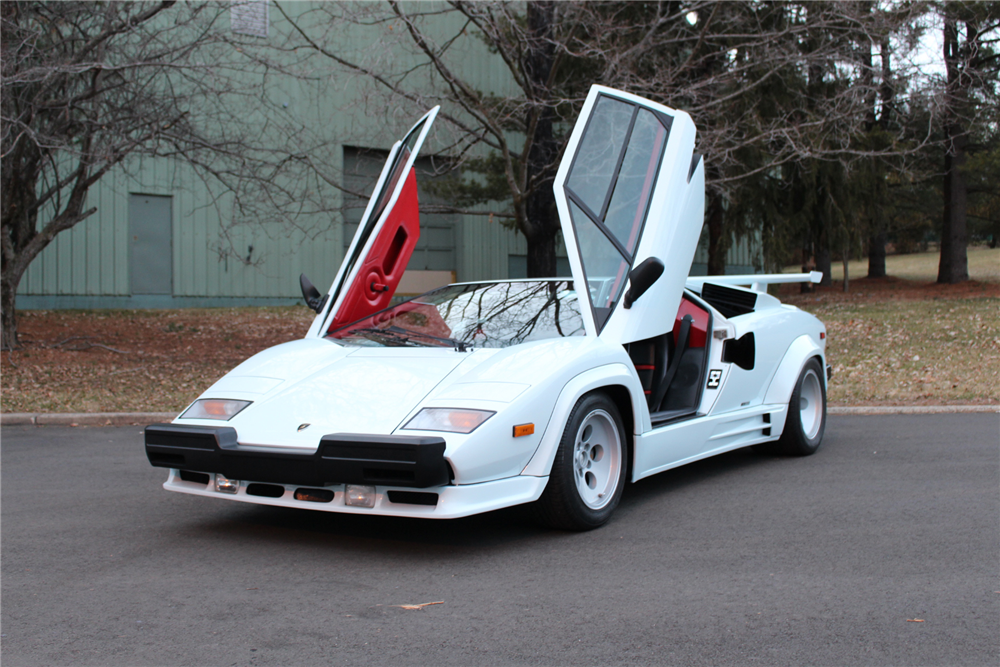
point(134, 360)
point(161, 360)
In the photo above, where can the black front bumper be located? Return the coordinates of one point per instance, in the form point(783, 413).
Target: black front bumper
point(341, 458)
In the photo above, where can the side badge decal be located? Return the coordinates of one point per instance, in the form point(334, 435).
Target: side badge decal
point(714, 377)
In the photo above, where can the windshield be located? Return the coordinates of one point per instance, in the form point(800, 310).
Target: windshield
point(479, 315)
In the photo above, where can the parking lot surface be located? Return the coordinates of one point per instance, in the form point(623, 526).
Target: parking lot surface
point(880, 549)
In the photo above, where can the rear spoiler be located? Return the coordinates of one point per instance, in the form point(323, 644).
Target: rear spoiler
point(758, 282)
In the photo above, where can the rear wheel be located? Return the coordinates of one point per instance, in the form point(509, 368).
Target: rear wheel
point(806, 419)
point(588, 475)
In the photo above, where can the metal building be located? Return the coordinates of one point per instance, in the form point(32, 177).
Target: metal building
point(161, 239)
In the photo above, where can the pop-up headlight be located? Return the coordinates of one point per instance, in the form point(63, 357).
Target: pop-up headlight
point(214, 408)
point(452, 420)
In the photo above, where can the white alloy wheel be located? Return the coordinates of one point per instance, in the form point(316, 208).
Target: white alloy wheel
point(806, 419)
point(810, 404)
point(587, 478)
point(597, 459)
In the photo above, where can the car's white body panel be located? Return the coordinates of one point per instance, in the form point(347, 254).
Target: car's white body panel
point(303, 390)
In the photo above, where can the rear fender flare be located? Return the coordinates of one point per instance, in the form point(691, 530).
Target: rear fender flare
point(799, 352)
point(596, 378)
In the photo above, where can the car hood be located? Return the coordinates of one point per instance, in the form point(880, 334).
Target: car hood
point(303, 390)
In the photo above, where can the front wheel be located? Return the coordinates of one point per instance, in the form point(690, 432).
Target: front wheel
point(806, 419)
point(588, 474)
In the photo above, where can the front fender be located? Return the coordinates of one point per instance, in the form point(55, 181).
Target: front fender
point(799, 352)
point(596, 378)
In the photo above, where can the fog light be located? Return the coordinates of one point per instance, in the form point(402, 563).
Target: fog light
point(360, 496)
point(226, 485)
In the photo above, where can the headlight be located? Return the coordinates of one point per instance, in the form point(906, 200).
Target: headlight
point(452, 420)
point(214, 408)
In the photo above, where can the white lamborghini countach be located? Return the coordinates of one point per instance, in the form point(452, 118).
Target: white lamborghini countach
point(478, 396)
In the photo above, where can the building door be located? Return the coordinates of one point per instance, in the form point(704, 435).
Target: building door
point(151, 244)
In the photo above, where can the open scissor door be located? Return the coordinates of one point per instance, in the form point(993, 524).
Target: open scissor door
point(384, 241)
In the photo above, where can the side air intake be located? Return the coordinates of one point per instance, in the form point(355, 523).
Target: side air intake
point(728, 301)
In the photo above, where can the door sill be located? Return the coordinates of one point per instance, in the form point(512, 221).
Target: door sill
point(665, 417)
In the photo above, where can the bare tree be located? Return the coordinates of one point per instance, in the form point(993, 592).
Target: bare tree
point(511, 142)
point(87, 87)
point(972, 64)
point(777, 90)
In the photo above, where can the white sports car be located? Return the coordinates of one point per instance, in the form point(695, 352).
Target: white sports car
point(478, 396)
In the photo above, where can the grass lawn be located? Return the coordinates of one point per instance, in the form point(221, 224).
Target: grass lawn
point(984, 266)
point(891, 342)
point(912, 352)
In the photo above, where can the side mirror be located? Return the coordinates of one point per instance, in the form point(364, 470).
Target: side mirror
point(312, 296)
point(642, 278)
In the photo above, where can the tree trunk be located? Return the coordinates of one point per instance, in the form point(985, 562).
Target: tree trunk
point(542, 256)
point(8, 298)
point(540, 203)
point(877, 223)
point(17, 231)
point(846, 261)
point(876, 250)
point(954, 263)
point(716, 242)
point(823, 263)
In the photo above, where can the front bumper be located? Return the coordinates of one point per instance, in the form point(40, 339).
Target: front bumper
point(340, 458)
point(452, 501)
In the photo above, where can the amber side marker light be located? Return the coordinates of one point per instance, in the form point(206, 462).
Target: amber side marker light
point(523, 429)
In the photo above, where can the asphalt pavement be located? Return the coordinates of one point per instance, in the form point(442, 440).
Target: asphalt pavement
point(882, 549)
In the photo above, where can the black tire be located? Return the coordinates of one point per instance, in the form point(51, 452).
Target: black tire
point(588, 475)
point(806, 421)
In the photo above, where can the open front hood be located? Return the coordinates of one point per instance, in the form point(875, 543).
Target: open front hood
point(344, 390)
point(630, 187)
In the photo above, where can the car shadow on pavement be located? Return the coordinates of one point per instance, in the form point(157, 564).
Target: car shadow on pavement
point(502, 528)
point(678, 479)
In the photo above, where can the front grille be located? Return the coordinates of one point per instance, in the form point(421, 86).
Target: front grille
point(196, 477)
point(413, 498)
point(265, 490)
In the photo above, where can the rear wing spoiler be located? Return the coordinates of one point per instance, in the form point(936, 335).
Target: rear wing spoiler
point(758, 282)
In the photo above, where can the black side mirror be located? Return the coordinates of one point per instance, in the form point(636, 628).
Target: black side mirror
point(311, 294)
point(642, 278)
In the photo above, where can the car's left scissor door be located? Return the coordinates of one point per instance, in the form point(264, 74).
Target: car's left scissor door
point(384, 241)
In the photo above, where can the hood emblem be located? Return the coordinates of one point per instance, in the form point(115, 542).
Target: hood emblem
point(302, 427)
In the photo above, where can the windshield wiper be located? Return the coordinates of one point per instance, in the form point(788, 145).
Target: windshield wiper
point(387, 337)
point(459, 345)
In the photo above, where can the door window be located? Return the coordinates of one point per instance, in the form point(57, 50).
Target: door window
point(609, 187)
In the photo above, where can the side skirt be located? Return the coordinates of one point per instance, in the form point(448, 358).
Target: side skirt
point(688, 441)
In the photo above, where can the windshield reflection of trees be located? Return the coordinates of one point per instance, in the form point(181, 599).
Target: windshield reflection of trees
point(486, 315)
